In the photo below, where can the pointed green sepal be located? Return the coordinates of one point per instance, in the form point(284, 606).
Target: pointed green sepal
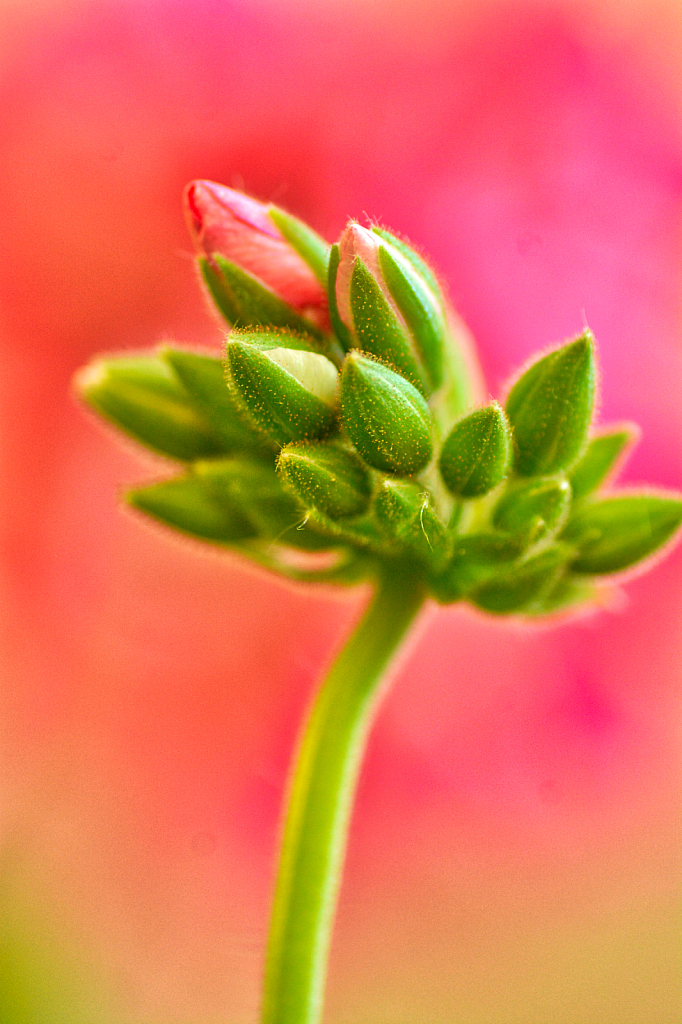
point(476, 455)
point(615, 533)
point(217, 288)
point(289, 391)
point(537, 508)
point(377, 328)
point(340, 330)
point(228, 501)
point(550, 408)
point(245, 302)
point(459, 391)
point(404, 511)
point(523, 586)
point(326, 477)
point(308, 244)
point(143, 397)
point(422, 312)
point(203, 377)
point(419, 265)
point(600, 458)
point(189, 504)
point(386, 418)
point(255, 488)
point(476, 557)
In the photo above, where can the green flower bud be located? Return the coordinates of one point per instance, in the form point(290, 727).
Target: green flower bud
point(476, 557)
point(289, 391)
point(203, 377)
point(143, 397)
point(255, 489)
point(568, 592)
point(404, 512)
point(386, 418)
point(326, 477)
point(523, 586)
point(616, 532)
point(189, 504)
point(550, 408)
point(228, 501)
point(536, 508)
point(476, 455)
point(599, 459)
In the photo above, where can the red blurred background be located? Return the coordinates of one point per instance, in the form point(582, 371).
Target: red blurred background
point(515, 852)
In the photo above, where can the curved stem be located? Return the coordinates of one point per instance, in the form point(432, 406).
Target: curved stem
point(321, 796)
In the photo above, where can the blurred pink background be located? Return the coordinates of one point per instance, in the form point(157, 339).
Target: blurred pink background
point(515, 855)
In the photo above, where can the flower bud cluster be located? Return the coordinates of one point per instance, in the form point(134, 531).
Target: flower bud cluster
point(344, 426)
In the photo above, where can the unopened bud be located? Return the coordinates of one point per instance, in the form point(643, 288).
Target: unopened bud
point(257, 274)
point(615, 533)
point(255, 489)
point(386, 307)
point(143, 397)
point(203, 377)
point(386, 418)
point(536, 507)
point(476, 455)
point(568, 592)
point(476, 558)
point(600, 459)
point(288, 391)
point(550, 408)
point(189, 504)
point(326, 477)
point(404, 511)
point(523, 587)
point(229, 501)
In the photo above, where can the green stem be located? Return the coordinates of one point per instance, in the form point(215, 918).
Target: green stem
point(321, 796)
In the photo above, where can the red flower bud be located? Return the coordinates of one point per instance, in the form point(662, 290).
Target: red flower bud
point(222, 220)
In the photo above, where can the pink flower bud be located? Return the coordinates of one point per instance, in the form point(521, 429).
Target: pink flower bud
point(222, 220)
point(358, 241)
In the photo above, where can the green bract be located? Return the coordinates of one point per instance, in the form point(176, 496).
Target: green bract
point(421, 310)
point(203, 378)
point(364, 443)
